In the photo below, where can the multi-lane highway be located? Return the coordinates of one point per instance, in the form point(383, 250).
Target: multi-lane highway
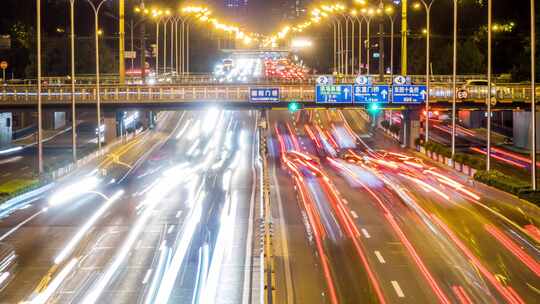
point(173, 216)
point(164, 218)
point(385, 225)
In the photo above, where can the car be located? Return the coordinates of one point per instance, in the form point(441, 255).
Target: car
point(478, 86)
point(8, 264)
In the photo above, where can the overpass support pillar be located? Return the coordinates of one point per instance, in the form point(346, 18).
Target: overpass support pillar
point(472, 119)
point(410, 128)
point(148, 119)
point(6, 130)
point(54, 120)
point(110, 126)
point(521, 130)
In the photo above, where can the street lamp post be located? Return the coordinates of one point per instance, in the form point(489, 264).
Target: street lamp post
point(427, 5)
point(350, 57)
point(392, 21)
point(368, 45)
point(187, 48)
point(335, 45)
point(360, 21)
point(345, 54)
point(165, 43)
point(488, 99)
point(40, 127)
point(158, 21)
point(454, 81)
point(174, 41)
point(96, 9)
point(73, 114)
point(340, 47)
point(533, 95)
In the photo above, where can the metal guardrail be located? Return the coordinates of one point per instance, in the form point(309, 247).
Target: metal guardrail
point(86, 94)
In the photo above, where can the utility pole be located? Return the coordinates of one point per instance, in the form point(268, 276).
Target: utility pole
point(404, 31)
point(122, 47)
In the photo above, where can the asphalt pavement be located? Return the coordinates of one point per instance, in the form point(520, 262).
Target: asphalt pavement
point(427, 234)
point(166, 217)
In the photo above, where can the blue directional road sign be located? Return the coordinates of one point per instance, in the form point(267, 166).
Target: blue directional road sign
point(264, 94)
point(409, 94)
point(342, 93)
point(371, 94)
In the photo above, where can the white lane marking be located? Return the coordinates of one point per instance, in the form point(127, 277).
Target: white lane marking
point(354, 215)
point(366, 234)
point(147, 276)
point(6, 174)
point(25, 167)
point(178, 214)
point(284, 240)
point(170, 229)
point(398, 290)
point(248, 275)
point(379, 257)
point(20, 225)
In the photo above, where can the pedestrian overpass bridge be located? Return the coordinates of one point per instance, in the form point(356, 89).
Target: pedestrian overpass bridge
point(508, 96)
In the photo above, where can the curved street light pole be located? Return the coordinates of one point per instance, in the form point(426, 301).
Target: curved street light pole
point(165, 22)
point(96, 9)
point(360, 21)
point(368, 47)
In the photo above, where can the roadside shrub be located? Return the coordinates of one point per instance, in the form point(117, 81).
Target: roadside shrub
point(501, 181)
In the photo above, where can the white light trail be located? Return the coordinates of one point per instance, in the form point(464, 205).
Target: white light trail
point(74, 190)
point(68, 249)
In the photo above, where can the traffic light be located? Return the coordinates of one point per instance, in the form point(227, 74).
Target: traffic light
point(373, 108)
point(294, 106)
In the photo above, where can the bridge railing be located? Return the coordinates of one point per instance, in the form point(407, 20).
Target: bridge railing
point(20, 95)
point(207, 78)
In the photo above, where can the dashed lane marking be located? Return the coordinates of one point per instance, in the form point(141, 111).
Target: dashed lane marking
point(379, 257)
point(365, 233)
point(398, 290)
